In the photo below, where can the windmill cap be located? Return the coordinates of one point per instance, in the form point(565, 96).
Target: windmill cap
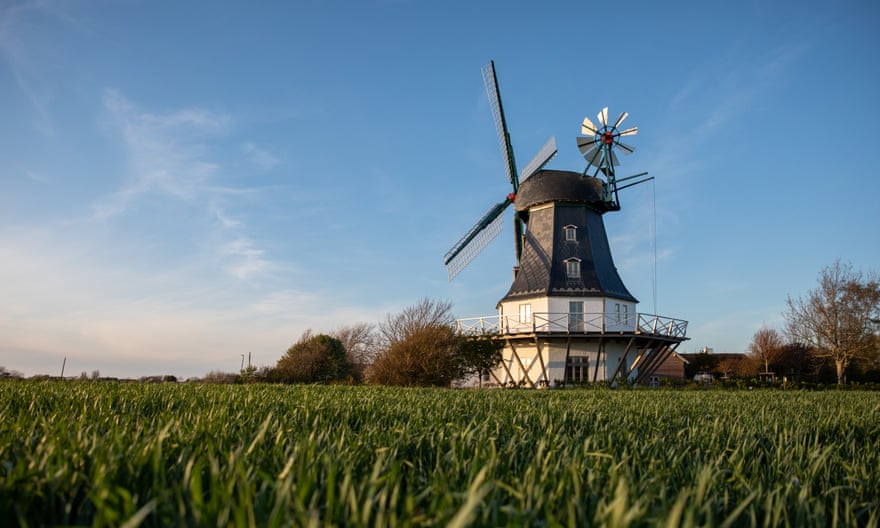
point(547, 186)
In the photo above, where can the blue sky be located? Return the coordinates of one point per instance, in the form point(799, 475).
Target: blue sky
point(183, 183)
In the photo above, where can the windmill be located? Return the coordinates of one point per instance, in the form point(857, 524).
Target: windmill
point(488, 227)
point(567, 317)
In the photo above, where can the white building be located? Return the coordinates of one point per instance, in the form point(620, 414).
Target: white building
point(568, 318)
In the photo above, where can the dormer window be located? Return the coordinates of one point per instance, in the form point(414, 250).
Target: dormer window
point(570, 233)
point(573, 268)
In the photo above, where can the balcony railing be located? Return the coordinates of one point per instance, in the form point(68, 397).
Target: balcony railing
point(575, 323)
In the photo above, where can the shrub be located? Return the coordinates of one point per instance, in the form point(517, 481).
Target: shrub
point(314, 359)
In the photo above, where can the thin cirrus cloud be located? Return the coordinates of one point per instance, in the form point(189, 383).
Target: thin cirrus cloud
point(260, 157)
point(22, 57)
point(168, 155)
point(248, 260)
point(714, 98)
point(32, 58)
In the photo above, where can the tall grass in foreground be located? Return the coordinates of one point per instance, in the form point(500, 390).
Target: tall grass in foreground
point(108, 454)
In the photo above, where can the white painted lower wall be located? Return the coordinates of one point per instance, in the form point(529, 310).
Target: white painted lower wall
point(551, 313)
point(523, 365)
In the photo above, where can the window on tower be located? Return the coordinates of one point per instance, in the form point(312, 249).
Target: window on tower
point(621, 314)
point(525, 313)
point(577, 369)
point(570, 233)
point(573, 268)
point(576, 316)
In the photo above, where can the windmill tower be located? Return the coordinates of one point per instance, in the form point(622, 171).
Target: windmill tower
point(567, 318)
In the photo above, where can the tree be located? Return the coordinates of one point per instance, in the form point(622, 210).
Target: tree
point(728, 367)
point(218, 377)
point(478, 354)
point(10, 374)
point(837, 318)
point(425, 358)
point(796, 362)
point(423, 349)
point(766, 347)
point(360, 343)
point(424, 314)
point(314, 359)
point(701, 362)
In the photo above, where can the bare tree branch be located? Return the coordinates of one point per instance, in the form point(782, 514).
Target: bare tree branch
point(766, 347)
point(427, 313)
point(836, 317)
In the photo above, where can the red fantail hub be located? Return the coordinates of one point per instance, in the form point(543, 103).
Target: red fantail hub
point(608, 138)
point(511, 197)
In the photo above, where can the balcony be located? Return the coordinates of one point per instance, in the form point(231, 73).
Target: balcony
point(576, 323)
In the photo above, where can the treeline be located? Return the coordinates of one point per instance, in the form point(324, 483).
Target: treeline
point(791, 362)
point(832, 334)
point(417, 347)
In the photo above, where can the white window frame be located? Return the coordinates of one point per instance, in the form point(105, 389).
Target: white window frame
point(576, 316)
point(572, 268)
point(570, 233)
point(525, 313)
point(577, 369)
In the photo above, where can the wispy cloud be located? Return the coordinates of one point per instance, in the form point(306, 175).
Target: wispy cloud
point(284, 302)
point(169, 156)
point(261, 157)
point(20, 57)
point(35, 176)
point(25, 50)
point(715, 95)
point(246, 260)
point(226, 221)
point(711, 107)
point(165, 152)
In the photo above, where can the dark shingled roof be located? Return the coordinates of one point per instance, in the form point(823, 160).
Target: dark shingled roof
point(549, 201)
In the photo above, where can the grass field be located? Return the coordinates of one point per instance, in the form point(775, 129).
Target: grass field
point(109, 454)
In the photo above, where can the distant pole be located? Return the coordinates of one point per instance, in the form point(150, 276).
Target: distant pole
point(242, 362)
point(249, 360)
point(63, 364)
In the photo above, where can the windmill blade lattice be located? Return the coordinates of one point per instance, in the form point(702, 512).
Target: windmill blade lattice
point(541, 158)
point(475, 240)
point(489, 226)
point(491, 82)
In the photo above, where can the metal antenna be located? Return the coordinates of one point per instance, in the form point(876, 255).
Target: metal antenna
point(653, 235)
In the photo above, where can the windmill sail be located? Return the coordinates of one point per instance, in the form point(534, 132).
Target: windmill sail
point(541, 158)
point(475, 240)
point(488, 227)
point(491, 82)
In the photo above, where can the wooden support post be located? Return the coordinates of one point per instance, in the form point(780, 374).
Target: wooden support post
point(565, 379)
point(622, 361)
point(646, 356)
point(541, 360)
point(666, 353)
point(599, 351)
point(521, 366)
point(504, 364)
